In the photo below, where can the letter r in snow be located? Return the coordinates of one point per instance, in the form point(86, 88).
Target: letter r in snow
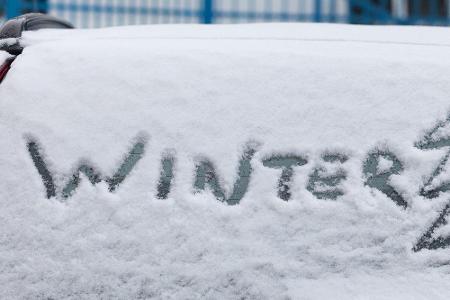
point(380, 179)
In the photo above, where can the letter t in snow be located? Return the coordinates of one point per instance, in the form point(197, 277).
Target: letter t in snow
point(286, 163)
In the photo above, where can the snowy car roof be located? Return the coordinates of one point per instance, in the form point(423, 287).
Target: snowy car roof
point(273, 89)
point(274, 31)
point(272, 154)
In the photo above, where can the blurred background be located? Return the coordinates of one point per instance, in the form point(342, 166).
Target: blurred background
point(101, 13)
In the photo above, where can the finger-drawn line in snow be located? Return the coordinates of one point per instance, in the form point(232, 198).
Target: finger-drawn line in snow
point(428, 240)
point(380, 179)
point(206, 177)
point(286, 164)
point(166, 176)
point(86, 168)
point(321, 183)
point(325, 184)
point(436, 138)
point(432, 141)
point(36, 155)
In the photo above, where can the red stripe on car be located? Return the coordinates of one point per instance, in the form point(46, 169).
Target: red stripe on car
point(5, 68)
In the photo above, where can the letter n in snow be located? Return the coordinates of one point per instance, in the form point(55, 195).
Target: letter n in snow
point(206, 177)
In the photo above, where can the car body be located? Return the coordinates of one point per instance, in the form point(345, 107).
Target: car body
point(251, 161)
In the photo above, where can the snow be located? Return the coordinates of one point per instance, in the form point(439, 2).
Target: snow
point(384, 165)
point(3, 56)
point(7, 42)
point(206, 92)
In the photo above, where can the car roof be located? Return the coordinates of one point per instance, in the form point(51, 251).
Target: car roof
point(271, 31)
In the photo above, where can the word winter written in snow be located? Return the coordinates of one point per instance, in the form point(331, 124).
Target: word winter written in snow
point(322, 183)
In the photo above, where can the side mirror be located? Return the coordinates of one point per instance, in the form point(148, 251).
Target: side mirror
point(11, 31)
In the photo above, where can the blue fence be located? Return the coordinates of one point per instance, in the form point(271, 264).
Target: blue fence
point(99, 13)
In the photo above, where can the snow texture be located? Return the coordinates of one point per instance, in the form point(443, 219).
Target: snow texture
point(3, 55)
point(207, 92)
point(7, 42)
point(384, 165)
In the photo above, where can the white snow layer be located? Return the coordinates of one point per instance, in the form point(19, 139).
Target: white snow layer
point(206, 92)
point(3, 56)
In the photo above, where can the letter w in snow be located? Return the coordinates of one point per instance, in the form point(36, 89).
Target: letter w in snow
point(128, 163)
